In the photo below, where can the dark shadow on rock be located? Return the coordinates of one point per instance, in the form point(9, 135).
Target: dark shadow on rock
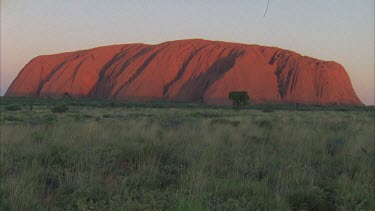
point(200, 84)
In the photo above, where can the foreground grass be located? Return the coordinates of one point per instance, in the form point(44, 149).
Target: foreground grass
point(186, 159)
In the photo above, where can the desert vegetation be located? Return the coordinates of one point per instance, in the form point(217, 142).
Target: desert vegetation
point(102, 155)
point(239, 98)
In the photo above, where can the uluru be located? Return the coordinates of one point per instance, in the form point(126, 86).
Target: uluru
point(186, 70)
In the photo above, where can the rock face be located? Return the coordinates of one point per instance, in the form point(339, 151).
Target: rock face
point(186, 70)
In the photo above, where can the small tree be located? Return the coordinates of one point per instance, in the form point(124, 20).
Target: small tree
point(239, 98)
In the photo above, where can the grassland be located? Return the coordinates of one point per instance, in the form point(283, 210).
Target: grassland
point(110, 156)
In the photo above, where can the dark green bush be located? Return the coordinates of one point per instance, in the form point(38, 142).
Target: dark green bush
point(49, 118)
point(189, 204)
point(59, 158)
point(239, 98)
point(107, 116)
point(268, 108)
point(76, 116)
point(172, 122)
point(204, 114)
point(49, 181)
point(38, 137)
point(267, 124)
point(88, 116)
point(59, 108)
point(81, 198)
point(38, 120)
point(13, 107)
point(13, 118)
point(312, 200)
point(334, 146)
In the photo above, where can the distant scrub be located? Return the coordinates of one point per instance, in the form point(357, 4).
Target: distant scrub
point(265, 124)
point(312, 200)
point(42, 119)
point(102, 103)
point(139, 115)
point(14, 118)
point(334, 146)
point(38, 137)
point(204, 114)
point(88, 116)
point(268, 108)
point(13, 107)
point(107, 116)
point(60, 108)
point(171, 122)
point(224, 122)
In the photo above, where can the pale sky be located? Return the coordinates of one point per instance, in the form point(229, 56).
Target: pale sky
point(334, 30)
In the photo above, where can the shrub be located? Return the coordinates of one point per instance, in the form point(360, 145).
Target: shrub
point(265, 124)
point(312, 200)
point(81, 198)
point(172, 122)
point(38, 120)
point(268, 108)
point(75, 116)
point(204, 114)
point(13, 118)
point(59, 108)
point(334, 146)
point(38, 137)
point(107, 116)
point(189, 204)
point(49, 118)
point(239, 98)
point(88, 116)
point(13, 107)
